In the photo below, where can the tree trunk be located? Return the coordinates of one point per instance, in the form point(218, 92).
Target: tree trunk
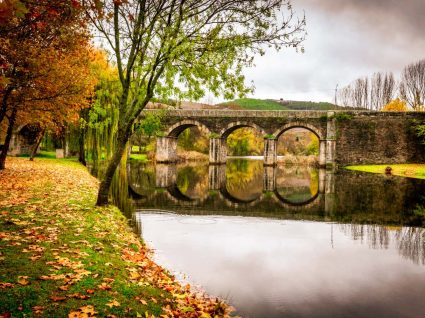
point(9, 133)
point(37, 144)
point(103, 194)
point(81, 142)
point(3, 108)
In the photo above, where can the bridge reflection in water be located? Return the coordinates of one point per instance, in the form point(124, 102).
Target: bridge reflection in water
point(247, 188)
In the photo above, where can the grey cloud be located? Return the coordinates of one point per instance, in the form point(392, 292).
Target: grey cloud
point(346, 39)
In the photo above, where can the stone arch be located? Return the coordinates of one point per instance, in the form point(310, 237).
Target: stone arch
point(176, 129)
point(310, 202)
point(225, 194)
point(296, 124)
point(225, 132)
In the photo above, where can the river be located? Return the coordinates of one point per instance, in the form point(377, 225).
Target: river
point(286, 241)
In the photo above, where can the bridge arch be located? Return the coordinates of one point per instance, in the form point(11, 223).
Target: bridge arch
point(287, 202)
point(176, 129)
point(226, 131)
point(234, 200)
point(303, 125)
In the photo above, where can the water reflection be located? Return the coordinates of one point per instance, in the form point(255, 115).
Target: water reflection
point(410, 241)
point(244, 232)
point(247, 188)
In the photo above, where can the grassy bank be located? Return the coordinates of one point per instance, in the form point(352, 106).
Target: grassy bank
point(404, 170)
point(61, 257)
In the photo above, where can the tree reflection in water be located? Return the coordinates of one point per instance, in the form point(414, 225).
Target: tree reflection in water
point(244, 178)
point(410, 241)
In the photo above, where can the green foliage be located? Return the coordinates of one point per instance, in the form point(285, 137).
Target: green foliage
point(151, 124)
point(192, 139)
point(243, 142)
point(269, 136)
point(420, 132)
point(341, 117)
point(313, 146)
point(214, 135)
point(101, 122)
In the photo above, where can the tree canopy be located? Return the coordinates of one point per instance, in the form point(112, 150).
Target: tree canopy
point(44, 63)
point(183, 48)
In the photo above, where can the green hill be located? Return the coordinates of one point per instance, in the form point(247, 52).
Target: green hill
point(268, 104)
point(254, 104)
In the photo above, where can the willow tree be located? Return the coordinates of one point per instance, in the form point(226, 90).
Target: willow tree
point(183, 48)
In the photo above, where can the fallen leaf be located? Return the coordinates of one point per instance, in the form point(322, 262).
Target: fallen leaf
point(113, 303)
point(104, 286)
point(23, 280)
point(38, 309)
point(88, 310)
point(90, 291)
point(57, 298)
point(6, 285)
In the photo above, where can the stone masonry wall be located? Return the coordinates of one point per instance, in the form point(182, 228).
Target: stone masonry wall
point(379, 138)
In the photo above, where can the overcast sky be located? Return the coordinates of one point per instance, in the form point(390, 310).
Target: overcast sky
point(346, 39)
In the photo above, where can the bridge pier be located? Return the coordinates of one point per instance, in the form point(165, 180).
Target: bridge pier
point(165, 175)
point(269, 179)
point(166, 149)
point(216, 177)
point(331, 140)
point(330, 197)
point(322, 153)
point(270, 152)
point(218, 151)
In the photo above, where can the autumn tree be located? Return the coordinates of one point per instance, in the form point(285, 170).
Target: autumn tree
point(181, 48)
point(43, 49)
point(412, 86)
point(396, 105)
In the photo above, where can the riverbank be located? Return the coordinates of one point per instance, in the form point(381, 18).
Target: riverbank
point(60, 256)
point(404, 170)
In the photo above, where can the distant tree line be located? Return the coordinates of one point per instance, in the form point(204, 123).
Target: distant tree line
point(379, 90)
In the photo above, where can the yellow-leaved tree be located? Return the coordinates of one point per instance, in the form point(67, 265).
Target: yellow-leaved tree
point(396, 105)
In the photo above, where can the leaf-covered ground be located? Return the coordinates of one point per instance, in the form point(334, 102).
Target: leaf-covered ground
point(61, 257)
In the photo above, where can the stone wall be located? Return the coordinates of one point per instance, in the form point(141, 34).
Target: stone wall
point(379, 138)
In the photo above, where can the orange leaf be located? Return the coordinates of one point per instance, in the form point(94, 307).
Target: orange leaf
point(57, 298)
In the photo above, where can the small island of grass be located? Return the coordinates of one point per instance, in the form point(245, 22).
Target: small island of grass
point(404, 170)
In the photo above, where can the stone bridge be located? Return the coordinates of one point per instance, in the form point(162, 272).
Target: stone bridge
point(353, 137)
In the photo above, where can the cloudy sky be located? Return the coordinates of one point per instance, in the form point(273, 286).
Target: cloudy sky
point(346, 39)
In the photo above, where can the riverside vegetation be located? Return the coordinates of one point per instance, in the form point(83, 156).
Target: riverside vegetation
point(61, 256)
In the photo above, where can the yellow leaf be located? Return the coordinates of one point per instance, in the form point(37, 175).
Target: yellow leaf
point(23, 280)
point(113, 303)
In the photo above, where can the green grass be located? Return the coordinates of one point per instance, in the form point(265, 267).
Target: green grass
point(139, 157)
point(47, 211)
point(404, 170)
point(42, 154)
point(267, 104)
point(256, 104)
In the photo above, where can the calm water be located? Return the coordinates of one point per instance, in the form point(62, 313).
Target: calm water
point(285, 241)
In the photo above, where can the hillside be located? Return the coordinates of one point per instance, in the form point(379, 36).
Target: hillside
point(268, 104)
point(254, 104)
